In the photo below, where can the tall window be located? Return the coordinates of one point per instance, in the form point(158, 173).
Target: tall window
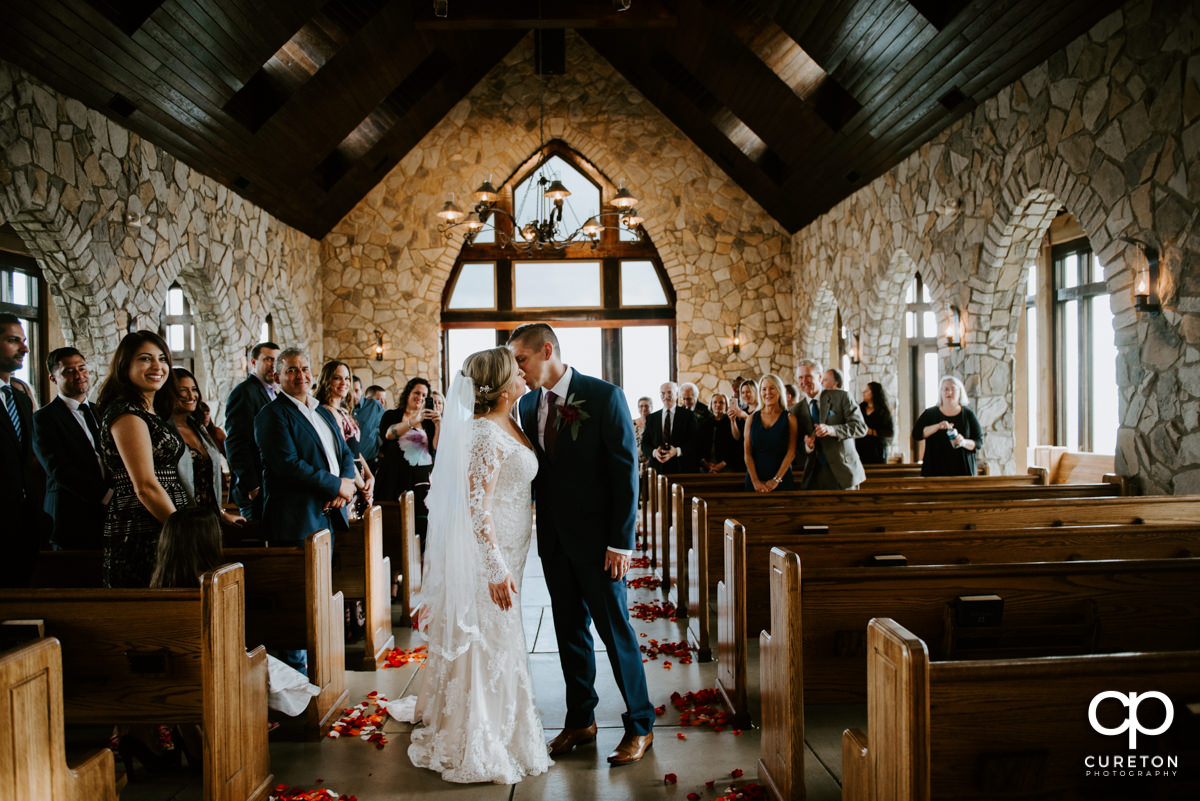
point(1085, 355)
point(1033, 384)
point(612, 306)
point(176, 327)
point(267, 331)
point(23, 294)
point(920, 326)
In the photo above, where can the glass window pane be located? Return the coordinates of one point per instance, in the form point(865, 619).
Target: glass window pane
point(24, 289)
point(910, 294)
point(556, 284)
point(1031, 375)
point(910, 325)
point(582, 349)
point(628, 236)
point(1070, 270)
point(475, 287)
point(640, 285)
point(645, 362)
point(583, 203)
point(1104, 393)
point(174, 301)
point(1070, 357)
point(175, 338)
point(264, 334)
point(1031, 281)
point(928, 324)
point(924, 293)
point(931, 378)
point(487, 236)
point(461, 343)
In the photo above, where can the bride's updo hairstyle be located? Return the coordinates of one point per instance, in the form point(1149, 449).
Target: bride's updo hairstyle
point(492, 371)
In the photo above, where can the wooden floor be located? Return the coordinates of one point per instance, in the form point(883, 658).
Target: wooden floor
point(357, 767)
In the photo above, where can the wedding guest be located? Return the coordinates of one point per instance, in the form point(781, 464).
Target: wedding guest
point(215, 432)
point(409, 439)
point(793, 394)
point(747, 405)
point(200, 465)
point(770, 440)
point(245, 402)
point(723, 452)
point(439, 401)
point(829, 421)
point(333, 390)
point(689, 398)
point(735, 391)
point(873, 446)
point(141, 451)
point(644, 405)
point(368, 411)
point(66, 439)
point(670, 439)
point(950, 431)
point(189, 546)
point(22, 483)
point(831, 379)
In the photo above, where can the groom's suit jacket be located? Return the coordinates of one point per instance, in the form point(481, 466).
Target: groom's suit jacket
point(586, 489)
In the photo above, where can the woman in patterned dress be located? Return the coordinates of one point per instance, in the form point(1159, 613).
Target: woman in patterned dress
point(141, 451)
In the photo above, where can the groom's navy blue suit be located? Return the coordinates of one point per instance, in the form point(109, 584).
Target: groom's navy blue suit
point(586, 491)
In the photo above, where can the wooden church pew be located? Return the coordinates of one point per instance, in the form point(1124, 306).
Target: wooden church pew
point(360, 570)
point(33, 761)
point(745, 597)
point(1010, 727)
point(865, 511)
point(815, 651)
point(277, 614)
point(402, 550)
point(165, 656)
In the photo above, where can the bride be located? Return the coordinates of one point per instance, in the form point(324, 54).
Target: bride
point(476, 703)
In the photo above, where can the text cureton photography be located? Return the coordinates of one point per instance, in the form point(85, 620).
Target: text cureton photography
point(1131, 765)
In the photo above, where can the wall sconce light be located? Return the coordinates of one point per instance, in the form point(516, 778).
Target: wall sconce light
point(737, 338)
point(378, 345)
point(855, 349)
point(1145, 278)
point(954, 329)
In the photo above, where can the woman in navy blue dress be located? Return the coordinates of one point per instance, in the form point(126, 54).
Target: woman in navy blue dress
point(770, 440)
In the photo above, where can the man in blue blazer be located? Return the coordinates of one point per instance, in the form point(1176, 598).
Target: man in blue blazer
point(586, 490)
point(66, 439)
point(245, 402)
point(308, 472)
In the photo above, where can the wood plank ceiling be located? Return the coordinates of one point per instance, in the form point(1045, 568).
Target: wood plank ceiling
point(302, 106)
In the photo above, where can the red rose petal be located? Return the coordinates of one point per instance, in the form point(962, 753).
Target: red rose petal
point(736, 773)
point(670, 778)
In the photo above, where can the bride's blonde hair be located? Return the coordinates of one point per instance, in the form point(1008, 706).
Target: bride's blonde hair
point(492, 371)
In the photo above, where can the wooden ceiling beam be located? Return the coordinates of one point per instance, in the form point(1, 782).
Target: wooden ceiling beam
point(524, 15)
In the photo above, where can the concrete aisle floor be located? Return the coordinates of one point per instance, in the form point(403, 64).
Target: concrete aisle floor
point(355, 767)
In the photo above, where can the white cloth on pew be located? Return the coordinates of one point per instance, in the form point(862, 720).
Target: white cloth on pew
point(288, 690)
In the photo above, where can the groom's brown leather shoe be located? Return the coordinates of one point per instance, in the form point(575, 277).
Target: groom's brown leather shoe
point(567, 739)
point(632, 748)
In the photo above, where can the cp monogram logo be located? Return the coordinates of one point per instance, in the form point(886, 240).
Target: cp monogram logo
point(1131, 724)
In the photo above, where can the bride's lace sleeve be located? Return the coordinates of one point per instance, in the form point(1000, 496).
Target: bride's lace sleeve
point(483, 471)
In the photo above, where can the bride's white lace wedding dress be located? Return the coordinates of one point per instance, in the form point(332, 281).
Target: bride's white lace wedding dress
point(479, 720)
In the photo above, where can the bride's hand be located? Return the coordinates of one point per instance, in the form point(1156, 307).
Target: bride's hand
point(502, 593)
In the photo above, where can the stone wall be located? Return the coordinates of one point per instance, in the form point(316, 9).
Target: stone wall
point(68, 178)
point(1110, 127)
point(386, 266)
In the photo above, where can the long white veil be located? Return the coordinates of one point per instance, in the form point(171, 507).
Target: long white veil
point(451, 572)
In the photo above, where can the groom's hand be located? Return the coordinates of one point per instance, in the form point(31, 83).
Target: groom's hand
point(616, 565)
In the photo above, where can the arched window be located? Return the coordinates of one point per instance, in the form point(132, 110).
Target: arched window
point(23, 294)
point(1068, 348)
point(920, 327)
point(267, 332)
point(175, 326)
point(612, 305)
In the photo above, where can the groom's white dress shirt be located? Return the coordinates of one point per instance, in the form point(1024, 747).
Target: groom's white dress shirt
point(560, 389)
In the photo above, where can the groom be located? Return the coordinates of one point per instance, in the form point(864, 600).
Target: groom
point(586, 490)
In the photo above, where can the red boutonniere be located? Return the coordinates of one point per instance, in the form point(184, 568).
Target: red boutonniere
point(571, 414)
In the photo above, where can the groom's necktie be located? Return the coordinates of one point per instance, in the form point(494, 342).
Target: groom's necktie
point(666, 426)
point(551, 431)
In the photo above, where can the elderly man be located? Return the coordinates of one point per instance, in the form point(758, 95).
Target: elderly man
point(669, 441)
point(308, 471)
point(66, 439)
point(829, 421)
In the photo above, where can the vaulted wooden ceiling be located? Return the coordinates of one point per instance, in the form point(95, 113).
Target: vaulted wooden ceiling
point(302, 106)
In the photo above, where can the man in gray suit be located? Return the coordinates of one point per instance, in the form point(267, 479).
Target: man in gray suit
point(830, 421)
